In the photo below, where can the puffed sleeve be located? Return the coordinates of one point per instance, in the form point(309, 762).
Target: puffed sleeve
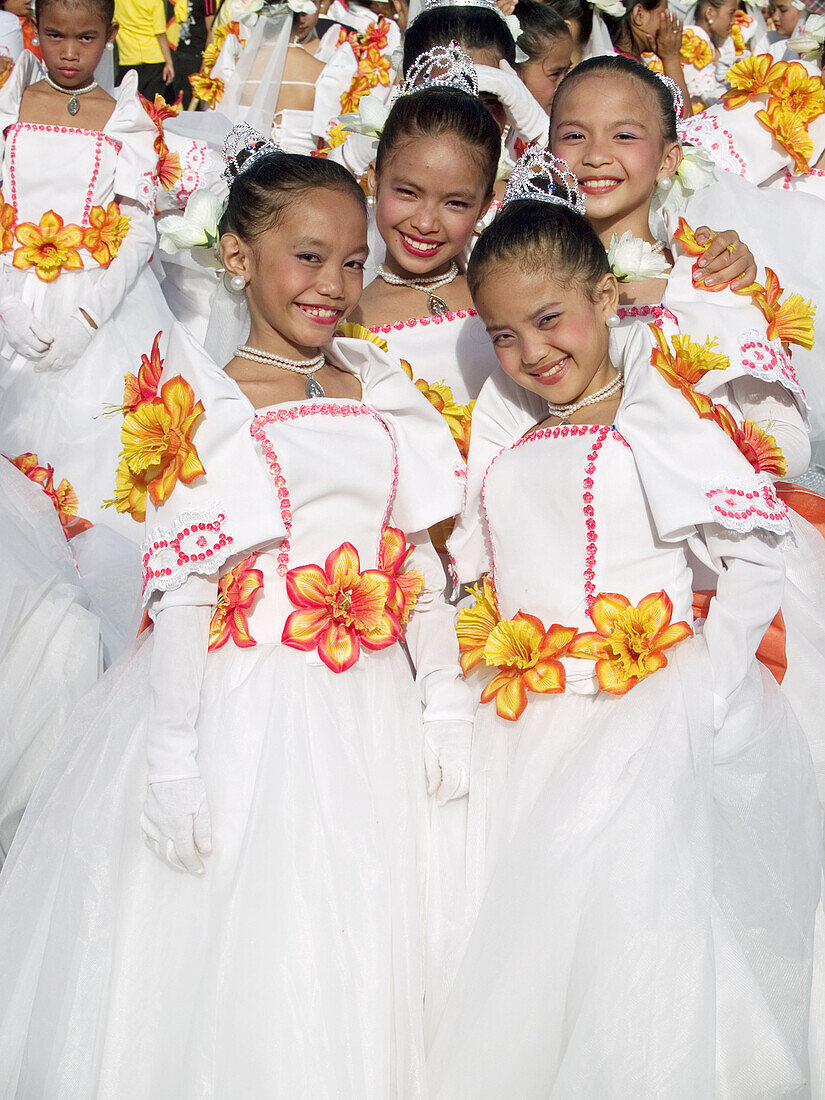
point(131, 126)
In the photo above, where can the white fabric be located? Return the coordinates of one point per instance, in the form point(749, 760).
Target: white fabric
point(776, 412)
point(11, 35)
point(524, 113)
point(24, 332)
point(334, 81)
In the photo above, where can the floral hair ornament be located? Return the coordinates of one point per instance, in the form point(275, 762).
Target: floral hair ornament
point(441, 67)
point(675, 91)
point(540, 175)
point(609, 7)
point(245, 138)
point(808, 43)
point(513, 24)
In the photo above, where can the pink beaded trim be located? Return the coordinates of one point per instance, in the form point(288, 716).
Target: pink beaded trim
point(657, 312)
point(286, 413)
point(193, 161)
point(768, 360)
point(99, 140)
point(437, 319)
point(170, 554)
point(693, 135)
point(745, 506)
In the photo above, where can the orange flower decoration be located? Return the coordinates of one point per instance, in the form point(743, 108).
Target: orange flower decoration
point(168, 168)
point(156, 439)
point(50, 247)
point(340, 609)
point(653, 62)
point(790, 131)
point(357, 90)
point(695, 50)
point(440, 396)
point(750, 77)
point(687, 365)
point(106, 233)
point(392, 557)
point(760, 449)
point(361, 332)
point(159, 111)
point(528, 659)
point(629, 642)
point(475, 624)
point(8, 217)
point(792, 320)
point(803, 94)
point(206, 88)
point(131, 491)
point(237, 590)
point(144, 386)
point(687, 239)
point(737, 38)
point(64, 498)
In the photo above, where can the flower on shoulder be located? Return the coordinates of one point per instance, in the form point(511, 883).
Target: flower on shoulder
point(106, 233)
point(159, 111)
point(207, 89)
point(628, 643)
point(8, 218)
point(475, 624)
point(791, 320)
point(803, 94)
point(790, 131)
point(50, 247)
point(695, 50)
point(339, 609)
point(440, 396)
point(632, 260)
point(528, 659)
point(144, 385)
point(156, 439)
point(237, 589)
point(63, 497)
point(392, 557)
point(738, 38)
point(168, 169)
point(687, 364)
point(359, 87)
point(361, 332)
point(750, 77)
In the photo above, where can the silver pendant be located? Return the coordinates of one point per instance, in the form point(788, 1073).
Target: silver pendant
point(73, 106)
point(437, 306)
point(313, 388)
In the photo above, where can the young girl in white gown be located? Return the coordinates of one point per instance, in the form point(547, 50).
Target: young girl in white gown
point(271, 710)
point(644, 827)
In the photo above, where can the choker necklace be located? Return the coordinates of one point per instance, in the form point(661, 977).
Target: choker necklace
point(436, 305)
point(307, 367)
point(564, 412)
point(73, 106)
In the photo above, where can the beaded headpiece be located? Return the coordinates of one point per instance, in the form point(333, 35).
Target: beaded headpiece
point(441, 67)
point(675, 91)
point(512, 22)
point(240, 138)
point(540, 175)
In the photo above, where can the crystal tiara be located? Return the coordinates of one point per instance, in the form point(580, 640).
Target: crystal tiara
point(540, 175)
point(675, 91)
point(245, 137)
point(441, 67)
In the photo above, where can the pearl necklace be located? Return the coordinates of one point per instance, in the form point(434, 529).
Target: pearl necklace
point(564, 412)
point(306, 367)
point(436, 305)
point(73, 106)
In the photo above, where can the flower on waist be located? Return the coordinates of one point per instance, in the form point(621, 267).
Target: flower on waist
point(339, 609)
point(393, 555)
point(50, 247)
point(528, 659)
point(629, 642)
point(8, 218)
point(63, 497)
point(106, 233)
point(237, 589)
point(144, 385)
point(475, 624)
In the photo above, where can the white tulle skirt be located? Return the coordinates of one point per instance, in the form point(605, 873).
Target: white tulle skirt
point(293, 968)
point(645, 896)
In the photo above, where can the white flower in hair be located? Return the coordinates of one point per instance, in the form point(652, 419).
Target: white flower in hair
point(610, 7)
point(632, 259)
point(370, 118)
point(197, 228)
point(247, 11)
point(695, 172)
point(808, 43)
point(441, 67)
point(302, 7)
point(540, 175)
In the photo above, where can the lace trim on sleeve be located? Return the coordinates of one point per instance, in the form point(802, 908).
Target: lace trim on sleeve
point(767, 359)
point(195, 543)
point(746, 506)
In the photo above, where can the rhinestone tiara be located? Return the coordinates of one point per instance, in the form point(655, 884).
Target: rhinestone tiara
point(540, 175)
point(675, 91)
point(441, 67)
point(245, 137)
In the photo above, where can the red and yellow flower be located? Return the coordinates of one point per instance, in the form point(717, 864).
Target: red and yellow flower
point(738, 39)
point(790, 131)
point(440, 396)
point(144, 385)
point(393, 555)
point(208, 89)
point(237, 590)
point(628, 643)
point(50, 247)
point(339, 609)
point(695, 50)
point(687, 365)
point(752, 76)
point(106, 232)
point(63, 497)
point(8, 218)
point(653, 62)
point(528, 658)
point(350, 99)
point(131, 491)
point(475, 624)
point(792, 321)
point(759, 448)
point(159, 111)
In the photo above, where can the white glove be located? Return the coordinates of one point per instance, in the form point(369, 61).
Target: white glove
point(27, 335)
point(447, 759)
point(73, 337)
point(176, 823)
point(524, 112)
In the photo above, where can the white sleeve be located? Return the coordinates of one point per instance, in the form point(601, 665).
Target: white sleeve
point(102, 299)
point(776, 412)
point(751, 579)
point(180, 642)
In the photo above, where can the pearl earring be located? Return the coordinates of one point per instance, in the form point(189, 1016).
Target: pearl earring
point(665, 183)
point(370, 200)
point(613, 320)
point(236, 284)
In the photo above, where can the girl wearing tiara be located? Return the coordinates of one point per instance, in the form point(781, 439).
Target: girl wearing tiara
point(644, 829)
point(267, 937)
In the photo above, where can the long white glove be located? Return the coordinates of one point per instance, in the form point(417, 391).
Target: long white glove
point(775, 410)
point(447, 700)
point(26, 333)
point(523, 111)
point(71, 339)
point(175, 820)
point(356, 154)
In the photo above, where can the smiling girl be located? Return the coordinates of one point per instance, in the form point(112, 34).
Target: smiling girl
point(284, 563)
point(642, 807)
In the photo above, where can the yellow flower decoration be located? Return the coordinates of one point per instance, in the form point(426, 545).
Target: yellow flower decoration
point(8, 218)
point(653, 62)
point(475, 624)
point(792, 321)
point(686, 365)
point(131, 490)
point(790, 131)
point(361, 332)
point(206, 88)
point(50, 247)
point(803, 94)
point(237, 590)
point(106, 233)
point(695, 50)
point(750, 77)
point(737, 38)
point(528, 659)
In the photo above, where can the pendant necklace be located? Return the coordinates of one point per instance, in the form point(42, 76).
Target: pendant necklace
point(306, 367)
point(73, 106)
point(435, 304)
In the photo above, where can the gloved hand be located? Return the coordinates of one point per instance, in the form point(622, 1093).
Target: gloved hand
point(524, 113)
point(69, 344)
point(447, 759)
point(26, 333)
point(176, 824)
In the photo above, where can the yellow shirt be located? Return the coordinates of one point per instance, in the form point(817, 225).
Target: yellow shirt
point(140, 21)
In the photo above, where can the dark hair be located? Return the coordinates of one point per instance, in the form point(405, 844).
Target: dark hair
point(578, 10)
point(104, 8)
point(620, 26)
point(435, 112)
point(540, 237)
point(473, 28)
point(540, 25)
point(259, 196)
point(616, 65)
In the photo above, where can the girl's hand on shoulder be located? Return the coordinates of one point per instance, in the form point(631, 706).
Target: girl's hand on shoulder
point(726, 260)
point(669, 36)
